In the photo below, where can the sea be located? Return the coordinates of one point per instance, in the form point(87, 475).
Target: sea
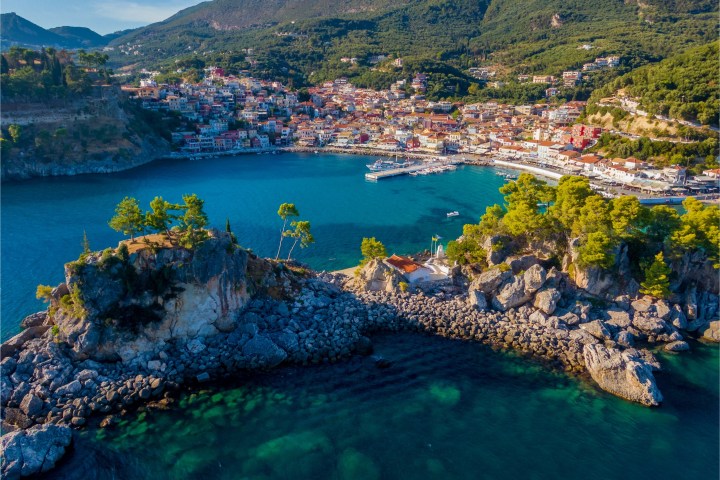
point(442, 409)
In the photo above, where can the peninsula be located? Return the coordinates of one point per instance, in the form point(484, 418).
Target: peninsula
point(184, 305)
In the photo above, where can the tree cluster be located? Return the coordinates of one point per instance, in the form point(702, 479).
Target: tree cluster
point(570, 211)
point(183, 224)
point(37, 75)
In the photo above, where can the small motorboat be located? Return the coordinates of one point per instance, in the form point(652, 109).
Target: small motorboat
point(453, 214)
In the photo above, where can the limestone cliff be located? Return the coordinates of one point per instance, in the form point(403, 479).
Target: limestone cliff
point(96, 133)
point(119, 309)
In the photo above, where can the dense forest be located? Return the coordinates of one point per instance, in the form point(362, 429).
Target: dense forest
point(302, 42)
point(597, 227)
point(683, 87)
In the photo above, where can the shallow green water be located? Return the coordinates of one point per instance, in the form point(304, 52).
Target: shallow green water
point(43, 219)
point(444, 409)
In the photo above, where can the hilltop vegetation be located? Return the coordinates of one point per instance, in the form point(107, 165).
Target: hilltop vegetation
point(60, 117)
point(573, 217)
point(303, 41)
point(683, 87)
point(49, 73)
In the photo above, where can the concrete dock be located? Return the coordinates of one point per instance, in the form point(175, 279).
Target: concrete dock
point(375, 176)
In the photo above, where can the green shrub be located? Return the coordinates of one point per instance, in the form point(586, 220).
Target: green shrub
point(44, 293)
point(403, 286)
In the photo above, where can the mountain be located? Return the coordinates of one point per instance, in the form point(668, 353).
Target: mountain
point(80, 36)
point(19, 31)
point(306, 39)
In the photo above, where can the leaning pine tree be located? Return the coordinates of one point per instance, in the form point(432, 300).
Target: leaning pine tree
point(285, 211)
point(657, 278)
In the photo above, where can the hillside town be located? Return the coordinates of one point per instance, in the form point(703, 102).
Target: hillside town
point(235, 114)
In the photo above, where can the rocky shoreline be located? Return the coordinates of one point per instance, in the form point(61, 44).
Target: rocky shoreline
point(225, 311)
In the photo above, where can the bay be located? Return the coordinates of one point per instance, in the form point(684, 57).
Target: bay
point(43, 220)
point(444, 409)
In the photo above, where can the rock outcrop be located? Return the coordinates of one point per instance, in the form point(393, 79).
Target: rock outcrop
point(123, 331)
point(123, 309)
point(377, 276)
point(32, 451)
point(622, 374)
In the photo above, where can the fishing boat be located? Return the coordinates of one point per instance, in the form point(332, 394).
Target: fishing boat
point(453, 214)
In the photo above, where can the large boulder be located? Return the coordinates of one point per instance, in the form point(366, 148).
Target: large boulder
point(622, 374)
point(546, 299)
point(597, 329)
point(512, 294)
point(594, 280)
point(521, 263)
point(489, 280)
point(477, 299)
point(519, 289)
point(712, 332)
point(32, 451)
point(649, 325)
point(534, 278)
point(643, 304)
point(619, 318)
point(264, 350)
point(377, 276)
point(34, 320)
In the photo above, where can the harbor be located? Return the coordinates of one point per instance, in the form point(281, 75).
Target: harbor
point(437, 165)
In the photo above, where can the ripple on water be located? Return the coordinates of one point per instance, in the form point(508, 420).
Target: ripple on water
point(443, 409)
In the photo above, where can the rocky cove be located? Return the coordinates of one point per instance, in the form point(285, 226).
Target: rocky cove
point(122, 332)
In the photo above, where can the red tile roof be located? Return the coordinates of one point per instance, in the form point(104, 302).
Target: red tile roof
point(405, 264)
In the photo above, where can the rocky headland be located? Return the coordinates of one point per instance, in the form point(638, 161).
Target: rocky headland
point(97, 132)
point(130, 329)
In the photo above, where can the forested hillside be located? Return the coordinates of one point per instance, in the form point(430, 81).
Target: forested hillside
point(683, 87)
point(305, 40)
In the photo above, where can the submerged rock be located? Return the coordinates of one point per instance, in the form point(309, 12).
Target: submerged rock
point(679, 346)
point(622, 374)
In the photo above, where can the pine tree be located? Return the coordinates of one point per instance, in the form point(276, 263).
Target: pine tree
point(285, 211)
point(657, 278)
point(85, 243)
point(128, 218)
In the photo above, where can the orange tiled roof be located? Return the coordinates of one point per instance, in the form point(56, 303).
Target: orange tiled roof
point(403, 263)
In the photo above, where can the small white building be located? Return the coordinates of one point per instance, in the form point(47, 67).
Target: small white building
point(410, 269)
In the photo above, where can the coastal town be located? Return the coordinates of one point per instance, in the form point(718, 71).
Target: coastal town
point(229, 114)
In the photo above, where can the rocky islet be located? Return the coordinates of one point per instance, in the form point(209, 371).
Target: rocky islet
point(222, 311)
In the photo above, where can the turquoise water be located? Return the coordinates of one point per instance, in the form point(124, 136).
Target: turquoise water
point(43, 219)
point(443, 410)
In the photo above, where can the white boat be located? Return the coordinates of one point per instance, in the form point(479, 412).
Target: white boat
point(453, 214)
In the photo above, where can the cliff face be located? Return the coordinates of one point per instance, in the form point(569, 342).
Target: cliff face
point(96, 133)
point(110, 309)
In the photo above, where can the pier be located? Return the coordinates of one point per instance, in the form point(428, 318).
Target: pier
point(394, 172)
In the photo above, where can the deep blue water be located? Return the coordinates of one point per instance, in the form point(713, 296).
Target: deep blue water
point(43, 219)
